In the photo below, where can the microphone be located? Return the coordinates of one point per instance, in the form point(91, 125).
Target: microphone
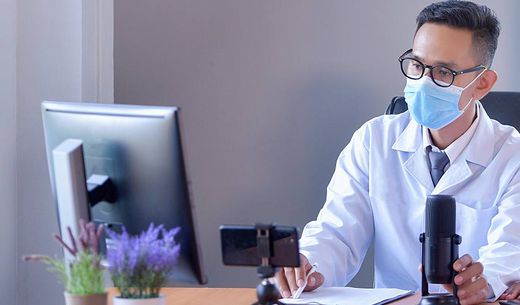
point(440, 248)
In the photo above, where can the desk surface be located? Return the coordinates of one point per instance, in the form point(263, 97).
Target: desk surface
point(227, 296)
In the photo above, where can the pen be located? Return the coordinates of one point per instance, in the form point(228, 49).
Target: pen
point(300, 290)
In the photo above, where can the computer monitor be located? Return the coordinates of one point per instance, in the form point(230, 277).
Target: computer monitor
point(139, 150)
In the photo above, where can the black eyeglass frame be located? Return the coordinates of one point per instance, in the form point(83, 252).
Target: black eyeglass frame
point(453, 72)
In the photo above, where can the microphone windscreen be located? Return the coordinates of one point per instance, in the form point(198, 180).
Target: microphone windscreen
point(440, 216)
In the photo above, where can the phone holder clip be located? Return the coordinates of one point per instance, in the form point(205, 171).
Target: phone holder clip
point(266, 292)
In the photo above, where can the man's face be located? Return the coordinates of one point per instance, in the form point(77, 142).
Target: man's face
point(436, 44)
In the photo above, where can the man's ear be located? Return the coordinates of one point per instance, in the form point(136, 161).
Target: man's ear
point(485, 84)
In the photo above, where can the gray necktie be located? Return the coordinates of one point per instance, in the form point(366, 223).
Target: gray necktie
point(438, 161)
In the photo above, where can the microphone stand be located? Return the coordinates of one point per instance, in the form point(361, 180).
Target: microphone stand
point(440, 298)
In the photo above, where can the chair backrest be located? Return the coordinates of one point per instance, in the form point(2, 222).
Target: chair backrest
point(501, 106)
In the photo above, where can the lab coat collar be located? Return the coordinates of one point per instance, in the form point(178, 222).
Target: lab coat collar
point(410, 139)
point(474, 158)
point(479, 150)
point(477, 154)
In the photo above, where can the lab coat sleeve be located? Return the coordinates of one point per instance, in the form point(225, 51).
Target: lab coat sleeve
point(340, 236)
point(501, 256)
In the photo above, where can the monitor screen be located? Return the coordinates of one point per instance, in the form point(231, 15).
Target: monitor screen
point(139, 148)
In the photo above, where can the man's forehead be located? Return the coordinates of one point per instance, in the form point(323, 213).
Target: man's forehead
point(431, 59)
point(442, 44)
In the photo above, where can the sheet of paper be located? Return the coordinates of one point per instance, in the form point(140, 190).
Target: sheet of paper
point(346, 296)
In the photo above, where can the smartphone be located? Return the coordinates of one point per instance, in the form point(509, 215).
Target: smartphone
point(239, 246)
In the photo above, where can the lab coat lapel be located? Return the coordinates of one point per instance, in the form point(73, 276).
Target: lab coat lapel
point(410, 141)
point(417, 166)
point(456, 175)
point(473, 160)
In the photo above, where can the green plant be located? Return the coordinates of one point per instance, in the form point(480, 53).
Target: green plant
point(83, 274)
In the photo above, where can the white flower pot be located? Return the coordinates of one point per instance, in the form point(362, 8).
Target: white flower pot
point(161, 300)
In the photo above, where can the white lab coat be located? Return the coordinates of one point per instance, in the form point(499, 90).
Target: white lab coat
point(378, 193)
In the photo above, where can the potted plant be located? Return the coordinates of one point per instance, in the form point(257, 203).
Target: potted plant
point(139, 265)
point(82, 276)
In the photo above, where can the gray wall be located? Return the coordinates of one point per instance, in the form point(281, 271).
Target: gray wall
point(48, 67)
point(8, 151)
point(271, 91)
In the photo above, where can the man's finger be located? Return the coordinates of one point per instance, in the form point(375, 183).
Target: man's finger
point(469, 273)
point(283, 287)
point(476, 297)
point(470, 289)
point(513, 292)
point(463, 262)
point(315, 281)
point(290, 277)
point(301, 271)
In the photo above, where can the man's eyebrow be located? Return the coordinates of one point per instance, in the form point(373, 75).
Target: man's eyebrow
point(438, 63)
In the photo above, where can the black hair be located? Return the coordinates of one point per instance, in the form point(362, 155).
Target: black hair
point(479, 19)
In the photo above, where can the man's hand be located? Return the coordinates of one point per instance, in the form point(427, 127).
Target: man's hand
point(512, 292)
point(289, 280)
point(472, 286)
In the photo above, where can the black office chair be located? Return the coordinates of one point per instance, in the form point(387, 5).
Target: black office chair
point(501, 106)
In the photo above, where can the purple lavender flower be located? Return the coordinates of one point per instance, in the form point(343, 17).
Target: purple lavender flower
point(139, 265)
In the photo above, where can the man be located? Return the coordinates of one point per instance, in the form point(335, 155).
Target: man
point(444, 144)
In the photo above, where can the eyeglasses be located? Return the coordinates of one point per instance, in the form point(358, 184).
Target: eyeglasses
point(442, 76)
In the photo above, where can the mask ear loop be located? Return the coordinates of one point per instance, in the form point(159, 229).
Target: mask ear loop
point(471, 83)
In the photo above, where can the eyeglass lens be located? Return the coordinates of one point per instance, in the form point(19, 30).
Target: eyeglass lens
point(414, 69)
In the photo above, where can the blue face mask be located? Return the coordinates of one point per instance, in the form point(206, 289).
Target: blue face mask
point(431, 105)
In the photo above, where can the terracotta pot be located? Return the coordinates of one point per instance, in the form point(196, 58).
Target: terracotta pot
point(161, 300)
point(89, 299)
